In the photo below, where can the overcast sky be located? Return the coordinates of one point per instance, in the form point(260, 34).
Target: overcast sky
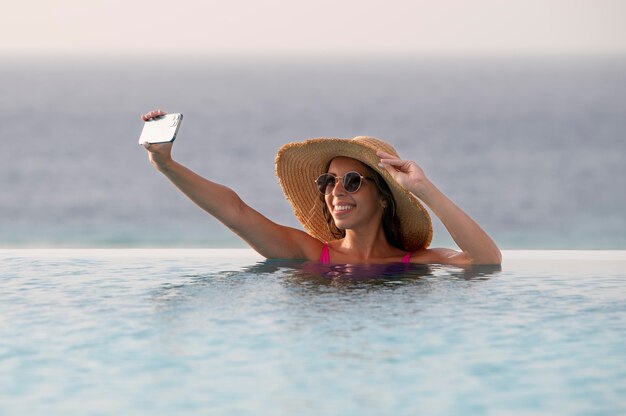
point(314, 26)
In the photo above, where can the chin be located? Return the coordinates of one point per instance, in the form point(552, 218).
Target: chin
point(341, 225)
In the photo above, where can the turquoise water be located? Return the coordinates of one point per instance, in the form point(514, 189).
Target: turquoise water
point(224, 332)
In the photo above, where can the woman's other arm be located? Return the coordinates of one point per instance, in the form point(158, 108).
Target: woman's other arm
point(477, 246)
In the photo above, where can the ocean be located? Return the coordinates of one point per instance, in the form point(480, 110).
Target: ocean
point(533, 149)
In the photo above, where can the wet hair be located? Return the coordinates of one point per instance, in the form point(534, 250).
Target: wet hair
point(390, 221)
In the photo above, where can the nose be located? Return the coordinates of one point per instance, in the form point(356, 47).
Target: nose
point(338, 189)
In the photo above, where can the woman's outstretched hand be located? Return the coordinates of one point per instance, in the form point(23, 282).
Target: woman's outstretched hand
point(159, 153)
point(406, 172)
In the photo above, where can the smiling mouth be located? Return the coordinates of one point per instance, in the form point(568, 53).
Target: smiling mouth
point(340, 209)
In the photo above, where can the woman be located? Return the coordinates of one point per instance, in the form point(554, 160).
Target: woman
point(357, 200)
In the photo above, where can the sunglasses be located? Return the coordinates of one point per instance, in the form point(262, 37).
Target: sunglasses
point(351, 182)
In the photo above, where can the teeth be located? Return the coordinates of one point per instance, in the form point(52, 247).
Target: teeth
point(343, 207)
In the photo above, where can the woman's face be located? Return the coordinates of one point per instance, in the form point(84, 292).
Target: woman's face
point(353, 210)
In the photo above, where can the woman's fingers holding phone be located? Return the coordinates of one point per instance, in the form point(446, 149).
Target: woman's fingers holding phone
point(158, 147)
point(159, 154)
point(152, 114)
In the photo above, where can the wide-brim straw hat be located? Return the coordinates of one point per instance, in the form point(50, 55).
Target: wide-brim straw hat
point(298, 164)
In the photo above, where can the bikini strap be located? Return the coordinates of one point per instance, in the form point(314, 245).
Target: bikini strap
point(407, 257)
point(325, 256)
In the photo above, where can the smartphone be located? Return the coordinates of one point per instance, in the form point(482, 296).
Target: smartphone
point(161, 129)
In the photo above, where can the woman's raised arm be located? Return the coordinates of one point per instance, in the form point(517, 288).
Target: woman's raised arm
point(477, 246)
point(269, 239)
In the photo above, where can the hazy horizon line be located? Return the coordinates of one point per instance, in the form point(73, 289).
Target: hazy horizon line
point(208, 56)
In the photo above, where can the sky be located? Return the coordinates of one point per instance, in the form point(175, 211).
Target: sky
point(446, 27)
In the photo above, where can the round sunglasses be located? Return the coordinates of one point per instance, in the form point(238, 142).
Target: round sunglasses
point(351, 182)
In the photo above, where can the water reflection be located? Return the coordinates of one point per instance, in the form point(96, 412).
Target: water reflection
point(474, 272)
point(318, 276)
point(346, 274)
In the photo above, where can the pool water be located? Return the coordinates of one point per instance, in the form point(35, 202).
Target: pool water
point(226, 332)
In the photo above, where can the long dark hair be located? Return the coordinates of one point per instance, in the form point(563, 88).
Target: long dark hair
point(391, 223)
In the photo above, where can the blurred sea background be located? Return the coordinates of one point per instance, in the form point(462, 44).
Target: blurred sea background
point(534, 149)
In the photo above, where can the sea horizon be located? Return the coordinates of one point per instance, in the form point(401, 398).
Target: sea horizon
point(532, 148)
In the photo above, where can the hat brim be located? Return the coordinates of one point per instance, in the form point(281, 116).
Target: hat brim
point(298, 164)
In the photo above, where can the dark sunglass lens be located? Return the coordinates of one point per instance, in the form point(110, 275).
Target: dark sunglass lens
point(325, 183)
point(352, 182)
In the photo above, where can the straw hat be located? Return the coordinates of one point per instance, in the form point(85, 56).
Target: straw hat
point(298, 164)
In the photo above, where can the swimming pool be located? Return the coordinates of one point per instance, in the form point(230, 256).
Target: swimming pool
point(224, 332)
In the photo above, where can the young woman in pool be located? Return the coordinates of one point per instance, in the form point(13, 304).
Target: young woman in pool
point(357, 200)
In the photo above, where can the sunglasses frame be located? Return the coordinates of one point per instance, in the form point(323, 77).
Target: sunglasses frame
point(361, 177)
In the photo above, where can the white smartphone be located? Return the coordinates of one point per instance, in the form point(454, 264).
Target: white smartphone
point(161, 129)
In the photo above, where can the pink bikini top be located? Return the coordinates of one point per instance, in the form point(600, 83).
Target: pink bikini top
point(325, 256)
